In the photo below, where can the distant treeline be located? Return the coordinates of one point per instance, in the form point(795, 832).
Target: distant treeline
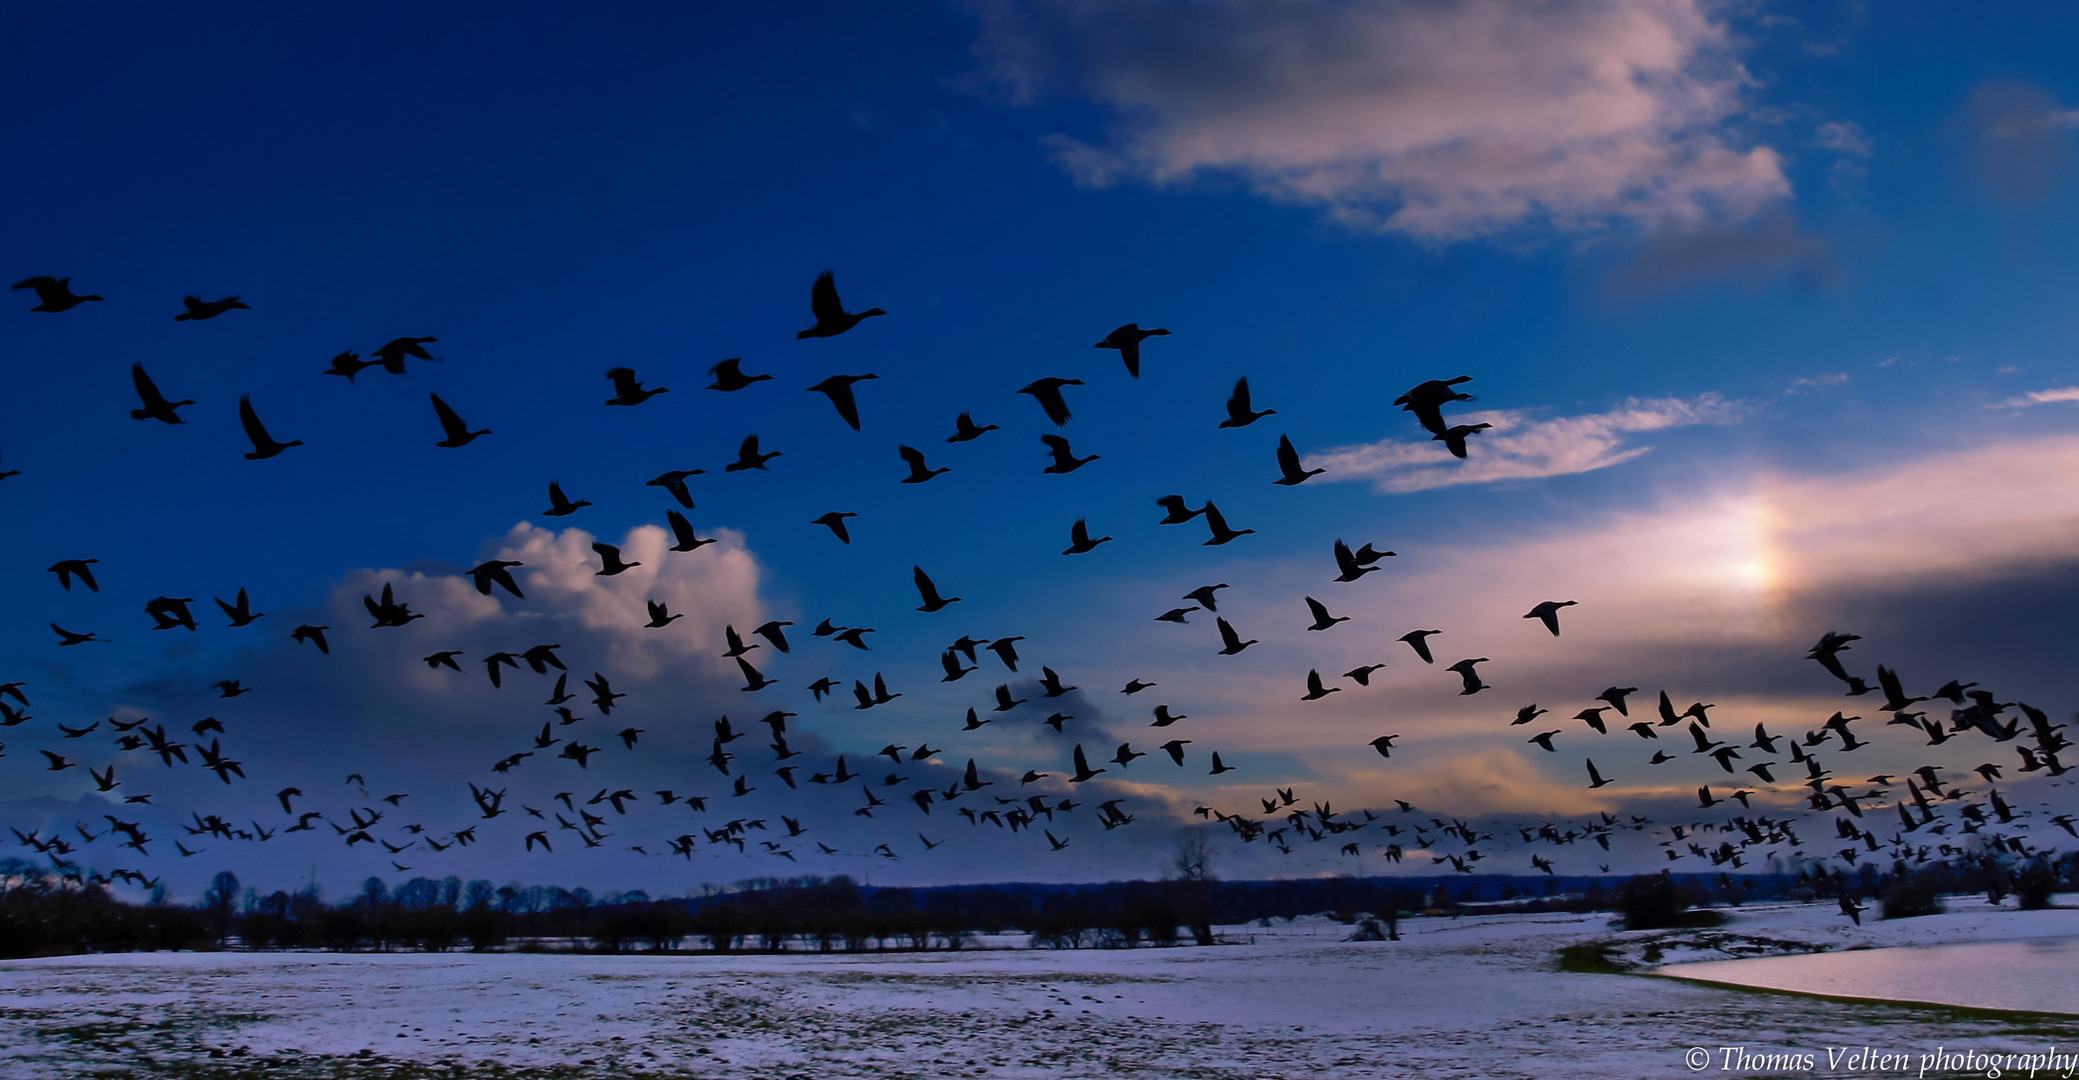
point(43, 912)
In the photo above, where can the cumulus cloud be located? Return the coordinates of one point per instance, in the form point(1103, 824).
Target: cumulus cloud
point(1521, 446)
point(1441, 120)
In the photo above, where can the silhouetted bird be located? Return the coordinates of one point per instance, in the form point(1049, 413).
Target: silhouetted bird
point(610, 560)
point(1289, 472)
point(496, 572)
point(919, 472)
point(240, 613)
point(1065, 460)
point(1316, 691)
point(1465, 671)
point(1047, 392)
point(264, 445)
point(1175, 512)
point(838, 388)
point(627, 391)
point(748, 457)
point(314, 635)
point(1427, 400)
point(68, 569)
point(156, 407)
point(831, 317)
point(1217, 522)
point(660, 616)
point(965, 429)
point(199, 309)
point(68, 637)
point(561, 505)
point(1418, 640)
point(451, 422)
point(1548, 613)
point(1322, 619)
point(393, 352)
point(1454, 437)
point(1595, 779)
point(835, 522)
point(729, 377)
point(349, 364)
point(1127, 339)
point(1239, 412)
point(1230, 642)
point(53, 293)
point(1204, 595)
point(1079, 539)
point(929, 591)
point(674, 482)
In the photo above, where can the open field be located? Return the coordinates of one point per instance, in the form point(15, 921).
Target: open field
point(1454, 998)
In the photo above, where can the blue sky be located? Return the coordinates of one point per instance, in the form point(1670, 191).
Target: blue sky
point(1756, 298)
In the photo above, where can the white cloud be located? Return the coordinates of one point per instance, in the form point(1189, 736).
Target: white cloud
point(1521, 447)
point(1439, 120)
point(1845, 136)
point(2040, 397)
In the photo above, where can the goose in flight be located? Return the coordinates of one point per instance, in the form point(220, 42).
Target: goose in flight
point(156, 407)
point(1047, 392)
point(683, 536)
point(1083, 769)
point(674, 483)
point(1418, 640)
point(314, 635)
point(966, 430)
point(68, 637)
point(835, 522)
point(1174, 510)
point(919, 471)
point(1065, 459)
point(1427, 400)
point(264, 445)
point(729, 377)
point(1230, 641)
point(53, 293)
point(838, 388)
point(1548, 613)
point(747, 456)
point(561, 505)
point(831, 317)
point(1239, 412)
point(1127, 339)
point(627, 391)
point(1203, 595)
point(1322, 619)
point(610, 560)
point(1217, 523)
point(1454, 437)
point(199, 309)
point(392, 353)
point(1595, 779)
point(1289, 471)
point(1315, 691)
point(68, 569)
point(240, 613)
point(1080, 542)
point(928, 591)
point(453, 426)
point(1465, 671)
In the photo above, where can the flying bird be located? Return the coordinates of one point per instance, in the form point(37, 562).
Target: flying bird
point(1427, 400)
point(561, 505)
point(1289, 471)
point(155, 405)
point(1065, 459)
point(53, 293)
point(928, 590)
point(1047, 392)
point(966, 430)
point(831, 317)
point(1127, 339)
point(1548, 613)
point(264, 445)
point(729, 377)
point(1239, 412)
point(838, 388)
point(835, 522)
point(1080, 542)
point(68, 569)
point(674, 483)
point(627, 391)
point(198, 309)
point(452, 425)
point(748, 457)
point(919, 472)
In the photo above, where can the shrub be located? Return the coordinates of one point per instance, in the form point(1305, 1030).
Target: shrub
point(1910, 896)
point(2034, 885)
point(1651, 902)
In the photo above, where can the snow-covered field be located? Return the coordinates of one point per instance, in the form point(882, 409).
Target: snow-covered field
point(1474, 997)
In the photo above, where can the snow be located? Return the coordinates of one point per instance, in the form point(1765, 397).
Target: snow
point(1471, 997)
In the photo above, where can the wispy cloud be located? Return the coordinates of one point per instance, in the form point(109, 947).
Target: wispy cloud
point(1521, 446)
point(2040, 397)
point(1439, 120)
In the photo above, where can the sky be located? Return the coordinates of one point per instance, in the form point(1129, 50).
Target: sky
point(1765, 307)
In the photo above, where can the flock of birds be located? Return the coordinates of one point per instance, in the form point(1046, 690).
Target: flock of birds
point(1912, 817)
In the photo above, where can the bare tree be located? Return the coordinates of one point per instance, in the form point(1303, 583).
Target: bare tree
point(1192, 863)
